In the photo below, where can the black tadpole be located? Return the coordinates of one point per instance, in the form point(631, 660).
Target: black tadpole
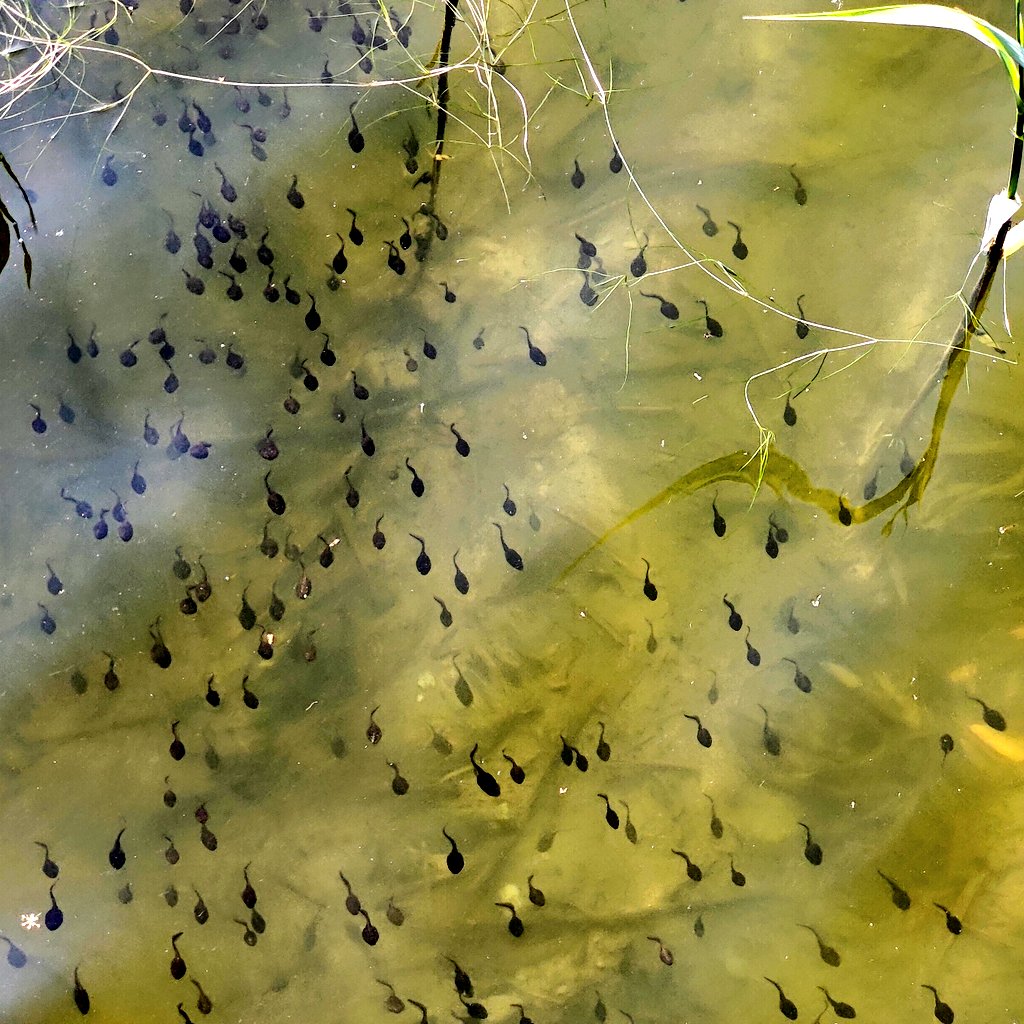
point(717, 520)
point(802, 329)
point(738, 878)
point(445, 615)
point(399, 784)
point(669, 310)
point(610, 815)
point(16, 956)
point(717, 829)
point(638, 265)
point(693, 872)
point(786, 1005)
point(54, 917)
point(339, 264)
point(512, 556)
point(567, 752)
point(992, 718)
point(178, 966)
point(943, 1011)
point(275, 501)
point(703, 736)
point(753, 654)
point(536, 356)
point(789, 416)
point(352, 903)
point(355, 139)
point(739, 247)
point(158, 653)
point(650, 590)
point(369, 934)
point(249, 699)
point(50, 868)
point(354, 234)
point(799, 193)
point(945, 745)
point(712, 328)
point(587, 249)
point(827, 953)
point(461, 444)
point(516, 773)
point(395, 261)
point(378, 539)
point(227, 190)
point(800, 679)
point(953, 923)
point(587, 294)
point(81, 996)
point(664, 953)
point(312, 317)
point(462, 981)
point(769, 737)
point(416, 485)
point(461, 580)
point(373, 730)
point(265, 649)
point(177, 748)
point(812, 851)
point(839, 1008)
point(422, 559)
point(577, 178)
point(735, 619)
point(264, 253)
point(515, 924)
point(249, 937)
point(710, 228)
point(351, 495)
point(46, 622)
point(117, 856)
point(508, 505)
point(487, 782)
point(455, 861)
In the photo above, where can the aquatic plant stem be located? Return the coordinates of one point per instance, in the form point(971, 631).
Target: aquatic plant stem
point(443, 95)
point(1018, 133)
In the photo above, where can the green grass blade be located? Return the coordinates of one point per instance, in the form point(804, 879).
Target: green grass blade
point(1009, 51)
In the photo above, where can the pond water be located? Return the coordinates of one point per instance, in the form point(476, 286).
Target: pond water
point(254, 698)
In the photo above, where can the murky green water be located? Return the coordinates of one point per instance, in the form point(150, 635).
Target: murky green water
point(898, 138)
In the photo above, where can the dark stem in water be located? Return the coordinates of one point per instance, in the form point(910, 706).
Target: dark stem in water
point(443, 95)
point(1018, 133)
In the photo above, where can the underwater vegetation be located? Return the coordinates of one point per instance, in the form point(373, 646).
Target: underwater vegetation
point(396, 618)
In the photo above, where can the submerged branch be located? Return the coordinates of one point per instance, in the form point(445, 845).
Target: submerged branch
point(786, 476)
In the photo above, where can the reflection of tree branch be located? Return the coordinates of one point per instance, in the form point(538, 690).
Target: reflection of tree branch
point(8, 221)
point(784, 475)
